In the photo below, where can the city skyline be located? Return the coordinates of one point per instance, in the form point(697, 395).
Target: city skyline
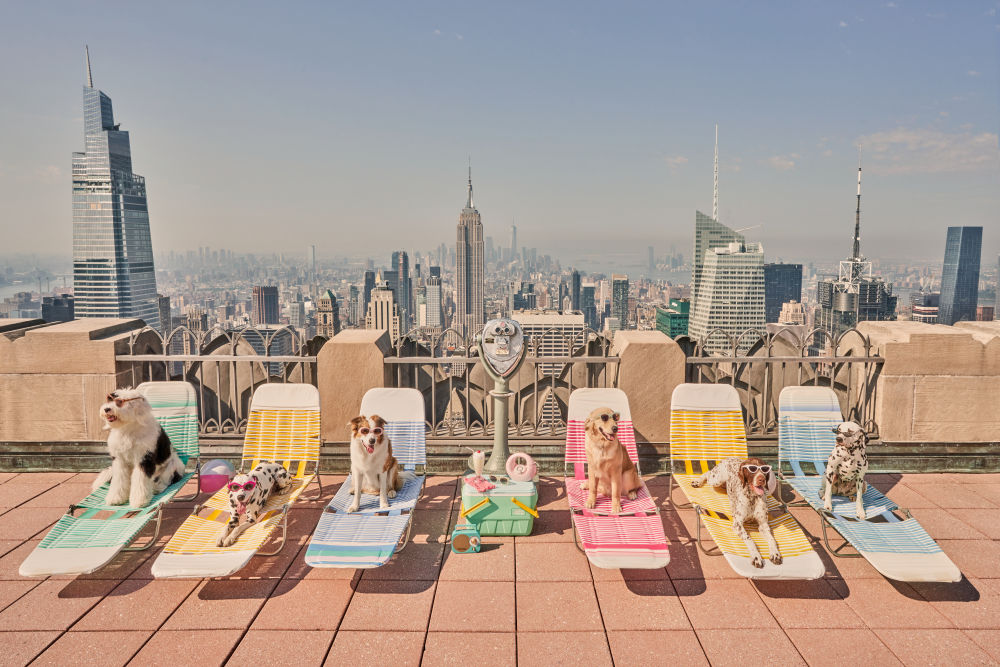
point(624, 152)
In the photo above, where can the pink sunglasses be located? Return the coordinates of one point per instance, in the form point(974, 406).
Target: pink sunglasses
point(375, 431)
point(246, 486)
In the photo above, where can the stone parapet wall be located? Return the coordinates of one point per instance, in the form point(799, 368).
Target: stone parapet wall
point(938, 383)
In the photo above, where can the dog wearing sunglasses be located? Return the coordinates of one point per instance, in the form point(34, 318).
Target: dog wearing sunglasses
point(143, 462)
point(846, 468)
point(610, 471)
point(748, 483)
point(374, 470)
point(248, 496)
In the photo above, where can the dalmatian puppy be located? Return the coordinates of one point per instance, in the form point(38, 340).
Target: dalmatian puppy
point(846, 468)
point(248, 495)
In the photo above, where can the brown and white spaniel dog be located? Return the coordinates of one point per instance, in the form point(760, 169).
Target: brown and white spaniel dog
point(747, 482)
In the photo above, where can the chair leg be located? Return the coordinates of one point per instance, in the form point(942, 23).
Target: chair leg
point(697, 532)
point(284, 534)
point(197, 491)
point(836, 552)
point(670, 495)
point(576, 539)
point(156, 533)
point(319, 483)
point(406, 537)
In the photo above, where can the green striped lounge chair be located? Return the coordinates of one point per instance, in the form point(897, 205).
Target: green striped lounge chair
point(898, 548)
point(369, 537)
point(92, 532)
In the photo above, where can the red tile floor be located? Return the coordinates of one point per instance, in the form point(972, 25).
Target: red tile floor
point(531, 600)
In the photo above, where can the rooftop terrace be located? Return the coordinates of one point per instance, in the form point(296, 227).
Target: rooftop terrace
point(532, 599)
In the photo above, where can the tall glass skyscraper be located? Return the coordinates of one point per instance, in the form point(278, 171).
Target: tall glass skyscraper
point(782, 283)
point(112, 251)
point(960, 277)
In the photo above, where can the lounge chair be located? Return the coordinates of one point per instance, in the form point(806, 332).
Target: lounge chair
point(370, 536)
point(92, 532)
point(706, 426)
point(633, 539)
point(899, 549)
point(283, 427)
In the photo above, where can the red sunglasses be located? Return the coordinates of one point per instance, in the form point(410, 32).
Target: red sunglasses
point(246, 486)
point(121, 401)
point(364, 430)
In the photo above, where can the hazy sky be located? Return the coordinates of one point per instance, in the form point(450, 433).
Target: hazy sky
point(348, 125)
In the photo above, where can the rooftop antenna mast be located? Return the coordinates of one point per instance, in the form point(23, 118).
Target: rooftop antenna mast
point(856, 255)
point(90, 77)
point(715, 192)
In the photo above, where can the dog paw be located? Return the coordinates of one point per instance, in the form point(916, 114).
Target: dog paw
point(117, 498)
point(228, 542)
point(616, 508)
point(352, 491)
point(828, 507)
point(220, 542)
point(139, 500)
point(696, 483)
point(862, 516)
point(757, 561)
point(632, 495)
point(776, 558)
point(391, 493)
point(383, 506)
point(353, 507)
point(590, 503)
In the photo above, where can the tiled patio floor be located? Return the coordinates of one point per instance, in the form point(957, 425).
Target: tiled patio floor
point(532, 600)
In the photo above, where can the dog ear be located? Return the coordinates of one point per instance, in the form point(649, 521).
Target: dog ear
point(378, 421)
point(743, 475)
point(354, 423)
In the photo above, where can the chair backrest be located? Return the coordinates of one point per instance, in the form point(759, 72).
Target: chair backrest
point(283, 427)
point(403, 412)
point(175, 406)
point(706, 426)
point(581, 403)
point(806, 419)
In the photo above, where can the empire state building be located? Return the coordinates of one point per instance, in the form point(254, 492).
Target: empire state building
point(470, 279)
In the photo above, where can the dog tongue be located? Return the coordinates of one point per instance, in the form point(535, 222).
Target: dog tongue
point(759, 490)
point(241, 508)
point(371, 448)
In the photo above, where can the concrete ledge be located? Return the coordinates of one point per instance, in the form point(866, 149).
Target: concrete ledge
point(651, 365)
point(347, 366)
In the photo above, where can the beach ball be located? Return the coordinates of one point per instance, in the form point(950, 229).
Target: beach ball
point(216, 474)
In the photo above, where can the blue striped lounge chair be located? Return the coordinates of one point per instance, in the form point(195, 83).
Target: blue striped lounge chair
point(369, 537)
point(898, 548)
point(92, 532)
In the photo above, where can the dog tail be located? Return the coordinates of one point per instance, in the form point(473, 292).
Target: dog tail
point(103, 478)
point(405, 476)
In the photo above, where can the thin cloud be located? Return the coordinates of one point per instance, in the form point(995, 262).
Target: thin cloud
point(437, 32)
point(843, 24)
point(973, 72)
point(891, 5)
point(675, 162)
point(828, 152)
point(931, 151)
point(782, 162)
point(48, 174)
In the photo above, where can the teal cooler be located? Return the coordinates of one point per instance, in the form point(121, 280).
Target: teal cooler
point(500, 515)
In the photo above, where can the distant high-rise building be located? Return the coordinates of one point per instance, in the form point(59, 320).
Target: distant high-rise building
point(673, 319)
point(574, 290)
point(855, 296)
point(311, 261)
point(925, 307)
point(383, 312)
point(708, 235)
point(433, 301)
point(782, 283)
point(113, 272)
point(435, 272)
point(163, 305)
point(619, 300)
point(730, 297)
point(792, 312)
point(513, 242)
point(328, 315)
point(367, 291)
point(57, 308)
point(588, 305)
point(403, 287)
point(960, 277)
point(354, 313)
point(265, 305)
point(984, 313)
point(469, 268)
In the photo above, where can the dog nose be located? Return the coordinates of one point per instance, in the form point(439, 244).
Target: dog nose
point(614, 429)
point(107, 409)
point(371, 441)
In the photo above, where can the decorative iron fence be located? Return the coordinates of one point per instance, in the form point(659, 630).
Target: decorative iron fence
point(225, 366)
point(759, 364)
point(445, 368)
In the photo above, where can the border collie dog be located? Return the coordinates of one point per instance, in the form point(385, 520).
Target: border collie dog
point(143, 462)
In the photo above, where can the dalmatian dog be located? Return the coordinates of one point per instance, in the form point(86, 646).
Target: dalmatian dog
point(748, 483)
point(846, 468)
point(248, 495)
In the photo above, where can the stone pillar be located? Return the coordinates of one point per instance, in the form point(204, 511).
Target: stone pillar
point(348, 365)
point(938, 383)
point(53, 378)
point(651, 365)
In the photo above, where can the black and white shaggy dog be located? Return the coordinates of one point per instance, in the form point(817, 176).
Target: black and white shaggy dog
point(846, 468)
point(248, 494)
point(143, 462)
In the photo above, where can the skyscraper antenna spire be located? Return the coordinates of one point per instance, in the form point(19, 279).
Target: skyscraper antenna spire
point(90, 77)
point(857, 214)
point(715, 191)
point(468, 203)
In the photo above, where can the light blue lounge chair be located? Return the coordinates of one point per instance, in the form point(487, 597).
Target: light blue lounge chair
point(899, 549)
point(369, 537)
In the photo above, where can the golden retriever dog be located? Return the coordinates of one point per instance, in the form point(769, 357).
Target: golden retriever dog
point(609, 469)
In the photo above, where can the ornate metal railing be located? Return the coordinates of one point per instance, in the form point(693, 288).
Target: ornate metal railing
point(759, 364)
point(445, 368)
point(225, 366)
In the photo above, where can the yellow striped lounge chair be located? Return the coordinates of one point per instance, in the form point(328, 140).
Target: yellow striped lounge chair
point(898, 548)
point(706, 426)
point(283, 427)
point(632, 539)
point(92, 533)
